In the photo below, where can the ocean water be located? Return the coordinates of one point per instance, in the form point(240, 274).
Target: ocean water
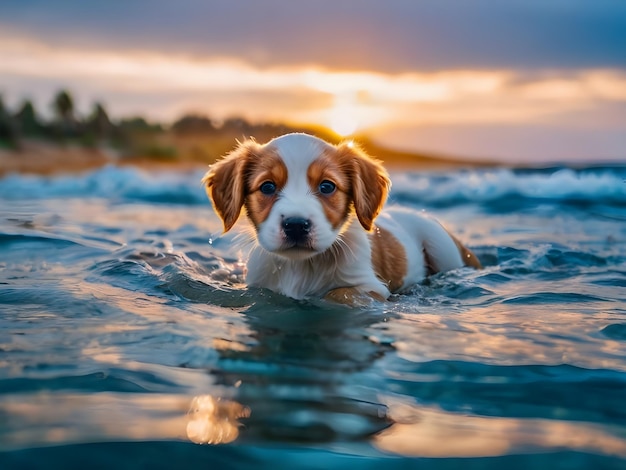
point(127, 339)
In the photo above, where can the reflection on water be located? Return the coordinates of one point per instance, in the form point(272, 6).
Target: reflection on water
point(45, 418)
point(214, 421)
point(299, 374)
point(432, 432)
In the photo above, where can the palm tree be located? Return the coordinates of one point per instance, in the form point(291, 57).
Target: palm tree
point(64, 106)
point(8, 129)
point(27, 121)
point(98, 122)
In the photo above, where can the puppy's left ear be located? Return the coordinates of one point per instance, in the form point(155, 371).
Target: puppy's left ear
point(370, 184)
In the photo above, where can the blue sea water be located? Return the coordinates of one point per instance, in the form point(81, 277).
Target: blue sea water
point(127, 339)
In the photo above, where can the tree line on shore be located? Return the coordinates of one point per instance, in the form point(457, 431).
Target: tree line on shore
point(26, 123)
point(191, 136)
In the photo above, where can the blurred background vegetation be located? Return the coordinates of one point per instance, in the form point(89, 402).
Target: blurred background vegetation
point(67, 141)
point(192, 138)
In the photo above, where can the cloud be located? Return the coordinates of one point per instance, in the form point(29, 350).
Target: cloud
point(468, 77)
point(393, 36)
point(502, 114)
point(521, 143)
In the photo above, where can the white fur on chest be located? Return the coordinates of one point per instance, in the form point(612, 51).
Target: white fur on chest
point(345, 264)
point(349, 262)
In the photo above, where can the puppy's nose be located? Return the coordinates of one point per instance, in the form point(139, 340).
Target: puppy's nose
point(296, 228)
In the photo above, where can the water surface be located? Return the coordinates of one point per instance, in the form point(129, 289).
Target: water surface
point(128, 340)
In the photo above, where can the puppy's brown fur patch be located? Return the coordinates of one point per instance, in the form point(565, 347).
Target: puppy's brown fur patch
point(369, 182)
point(225, 185)
point(265, 166)
point(388, 258)
point(468, 257)
point(338, 204)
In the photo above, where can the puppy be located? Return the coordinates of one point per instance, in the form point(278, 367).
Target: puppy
point(316, 213)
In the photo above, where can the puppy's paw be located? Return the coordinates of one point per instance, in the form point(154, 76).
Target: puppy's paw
point(352, 296)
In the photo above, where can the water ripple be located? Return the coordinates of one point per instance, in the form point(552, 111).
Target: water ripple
point(123, 310)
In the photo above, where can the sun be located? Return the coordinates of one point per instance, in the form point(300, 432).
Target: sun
point(354, 111)
point(343, 117)
point(343, 122)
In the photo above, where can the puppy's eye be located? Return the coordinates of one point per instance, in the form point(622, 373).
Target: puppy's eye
point(268, 188)
point(327, 187)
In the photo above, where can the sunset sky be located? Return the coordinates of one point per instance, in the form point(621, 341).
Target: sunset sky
point(517, 80)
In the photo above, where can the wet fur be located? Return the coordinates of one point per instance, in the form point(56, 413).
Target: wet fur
point(351, 253)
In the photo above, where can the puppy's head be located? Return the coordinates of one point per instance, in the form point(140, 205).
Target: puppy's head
point(298, 191)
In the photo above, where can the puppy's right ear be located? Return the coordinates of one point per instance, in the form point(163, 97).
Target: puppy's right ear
point(225, 184)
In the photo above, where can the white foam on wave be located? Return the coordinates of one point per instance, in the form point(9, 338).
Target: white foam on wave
point(488, 185)
point(132, 184)
point(110, 182)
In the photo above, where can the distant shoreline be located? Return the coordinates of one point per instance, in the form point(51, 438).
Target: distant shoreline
point(45, 158)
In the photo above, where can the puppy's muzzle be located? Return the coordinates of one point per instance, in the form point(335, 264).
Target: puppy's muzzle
point(296, 229)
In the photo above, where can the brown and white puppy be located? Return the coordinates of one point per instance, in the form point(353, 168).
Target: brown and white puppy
point(316, 213)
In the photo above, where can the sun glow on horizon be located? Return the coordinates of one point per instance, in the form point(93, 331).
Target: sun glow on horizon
point(355, 100)
point(345, 117)
point(164, 87)
point(343, 122)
